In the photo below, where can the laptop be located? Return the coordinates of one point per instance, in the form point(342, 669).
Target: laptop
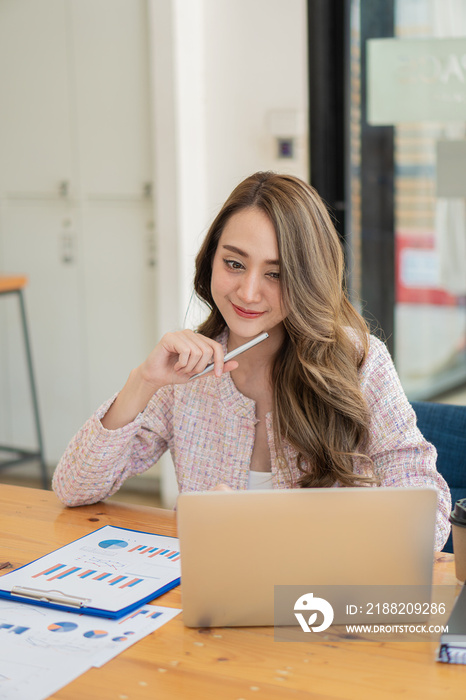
point(237, 545)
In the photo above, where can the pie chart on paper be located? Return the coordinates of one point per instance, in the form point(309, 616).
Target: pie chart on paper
point(113, 544)
point(62, 627)
point(95, 633)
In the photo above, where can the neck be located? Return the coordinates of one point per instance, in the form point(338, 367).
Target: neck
point(260, 356)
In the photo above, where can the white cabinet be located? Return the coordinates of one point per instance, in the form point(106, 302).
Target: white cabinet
point(91, 308)
point(35, 114)
point(31, 244)
point(75, 207)
point(111, 81)
point(118, 294)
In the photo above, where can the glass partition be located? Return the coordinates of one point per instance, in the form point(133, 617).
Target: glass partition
point(415, 82)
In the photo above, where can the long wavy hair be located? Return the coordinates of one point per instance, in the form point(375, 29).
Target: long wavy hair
point(318, 407)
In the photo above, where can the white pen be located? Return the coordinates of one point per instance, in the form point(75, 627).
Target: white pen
point(234, 353)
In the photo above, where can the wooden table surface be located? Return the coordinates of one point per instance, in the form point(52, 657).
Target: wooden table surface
point(216, 664)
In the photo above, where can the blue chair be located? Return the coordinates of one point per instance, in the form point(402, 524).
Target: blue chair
point(444, 425)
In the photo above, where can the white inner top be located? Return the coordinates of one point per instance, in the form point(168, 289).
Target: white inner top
point(260, 480)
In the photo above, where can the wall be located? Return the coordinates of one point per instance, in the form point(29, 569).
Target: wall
point(220, 72)
point(75, 215)
point(224, 74)
point(255, 65)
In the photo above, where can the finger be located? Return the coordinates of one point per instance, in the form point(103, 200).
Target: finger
point(213, 354)
point(218, 359)
point(221, 487)
point(190, 350)
point(230, 365)
point(201, 358)
point(175, 344)
point(227, 367)
point(196, 355)
point(196, 352)
point(184, 352)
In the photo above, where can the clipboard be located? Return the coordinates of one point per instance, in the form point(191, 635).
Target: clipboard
point(108, 573)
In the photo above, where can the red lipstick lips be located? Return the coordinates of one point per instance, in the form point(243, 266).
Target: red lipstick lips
point(245, 313)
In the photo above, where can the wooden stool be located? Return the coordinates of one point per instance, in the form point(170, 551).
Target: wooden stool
point(15, 285)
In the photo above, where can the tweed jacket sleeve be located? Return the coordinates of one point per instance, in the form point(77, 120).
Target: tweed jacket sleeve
point(400, 454)
point(97, 461)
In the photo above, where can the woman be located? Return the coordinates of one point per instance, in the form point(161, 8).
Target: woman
point(317, 404)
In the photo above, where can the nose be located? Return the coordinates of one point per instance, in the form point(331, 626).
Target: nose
point(249, 290)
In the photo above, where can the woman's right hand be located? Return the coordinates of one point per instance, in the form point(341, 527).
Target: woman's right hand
point(174, 360)
point(179, 356)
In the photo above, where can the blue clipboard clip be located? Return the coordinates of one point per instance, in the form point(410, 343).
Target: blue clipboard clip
point(49, 596)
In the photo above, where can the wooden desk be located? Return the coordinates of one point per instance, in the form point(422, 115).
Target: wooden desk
point(220, 664)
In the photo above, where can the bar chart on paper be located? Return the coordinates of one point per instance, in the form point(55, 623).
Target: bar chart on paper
point(109, 569)
point(151, 552)
point(107, 577)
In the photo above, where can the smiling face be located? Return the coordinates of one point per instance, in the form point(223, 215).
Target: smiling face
point(245, 282)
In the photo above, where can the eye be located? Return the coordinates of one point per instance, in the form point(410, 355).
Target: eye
point(274, 275)
point(233, 264)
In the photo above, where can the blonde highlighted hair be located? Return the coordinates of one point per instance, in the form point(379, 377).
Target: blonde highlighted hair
point(318, 405)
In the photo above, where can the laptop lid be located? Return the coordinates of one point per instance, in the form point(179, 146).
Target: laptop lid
point(237, 545)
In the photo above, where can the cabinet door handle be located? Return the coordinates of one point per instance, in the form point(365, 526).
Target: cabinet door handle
point(67, 247)
point(64, 189)
point(151, 249)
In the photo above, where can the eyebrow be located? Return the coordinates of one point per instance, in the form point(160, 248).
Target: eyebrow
point(234, 249)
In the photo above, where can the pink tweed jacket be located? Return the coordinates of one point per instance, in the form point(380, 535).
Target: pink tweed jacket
point(209, 428)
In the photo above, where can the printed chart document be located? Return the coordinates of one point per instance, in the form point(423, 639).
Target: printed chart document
point(43, 649)
point(107, 573)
